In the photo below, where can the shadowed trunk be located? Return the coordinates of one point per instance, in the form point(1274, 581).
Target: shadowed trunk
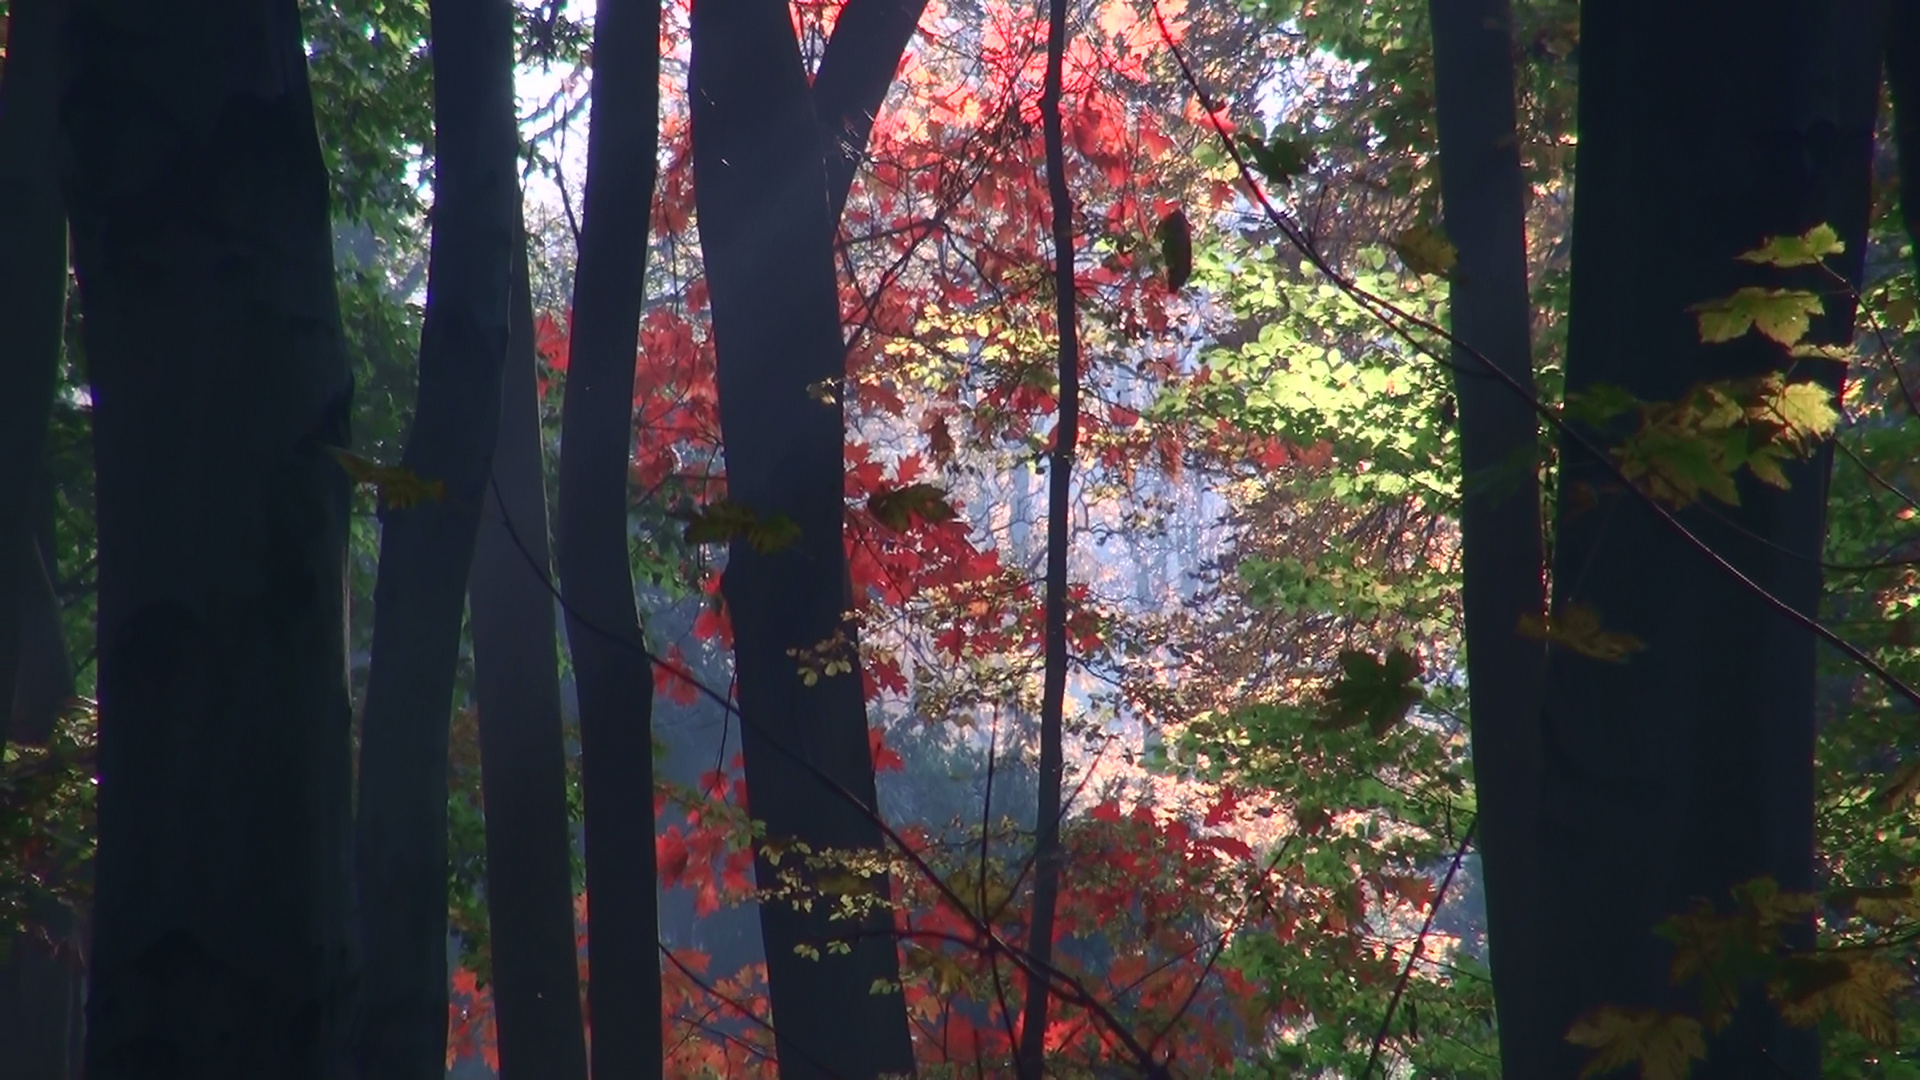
point(33, 294)
point(219, 376)
point(1688, 769)
point(767, 220)
point(427, 549)
point(1502, 560)
point(523, 754)
point(610, 665)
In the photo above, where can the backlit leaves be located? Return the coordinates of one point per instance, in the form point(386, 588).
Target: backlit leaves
point(1685, 449)
point(1664, 1045)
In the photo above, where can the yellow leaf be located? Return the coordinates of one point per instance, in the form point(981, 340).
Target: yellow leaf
point(1424, 251)
point(397, 487)
point(1664, 1045)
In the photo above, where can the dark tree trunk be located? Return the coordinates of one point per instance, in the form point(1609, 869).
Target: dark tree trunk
point(1903, 85)
point(1704, 129)
point(610, 664)
point(42, 976)
point(426, 550)
point(1503, 564)
point(523, 753)
point(33, 294)
point(198, 206)
point(767, 226)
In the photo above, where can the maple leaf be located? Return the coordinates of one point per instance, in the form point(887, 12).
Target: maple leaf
point(1784, 315)
point(897, 507)
point(1372, 692)
point(1807, 249)
point(1664, 1045)
point(1858, 992)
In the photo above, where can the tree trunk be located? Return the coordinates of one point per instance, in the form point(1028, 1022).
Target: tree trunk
point(610, 666)
point(33, 296)
point(426, 550)
point(523, 753)
point(767, 226)
point(1687, 770)
point(1047, 853)
point(42, 976)
point(198, 202)
point(1903, 86)
point(1503, 563)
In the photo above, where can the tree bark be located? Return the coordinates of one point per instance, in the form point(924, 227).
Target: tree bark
point(198, 203)
point(611, 670)
point(766, 212)
point(33, 296)
point(523, 753)
point(426, 550)
point(1687, 770)
point(1503, 562)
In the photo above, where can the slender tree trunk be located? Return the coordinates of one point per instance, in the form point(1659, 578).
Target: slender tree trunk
point(1046, 826)
point(767, 225)
point(33, 294)
point(427, 549)
point(199, 213)
point(1687, 770)
point(523, 753)
point(610, 664)
point(1504, 565)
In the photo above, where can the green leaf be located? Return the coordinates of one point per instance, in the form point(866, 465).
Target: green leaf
point(1783, 315)
point(1806, 249)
